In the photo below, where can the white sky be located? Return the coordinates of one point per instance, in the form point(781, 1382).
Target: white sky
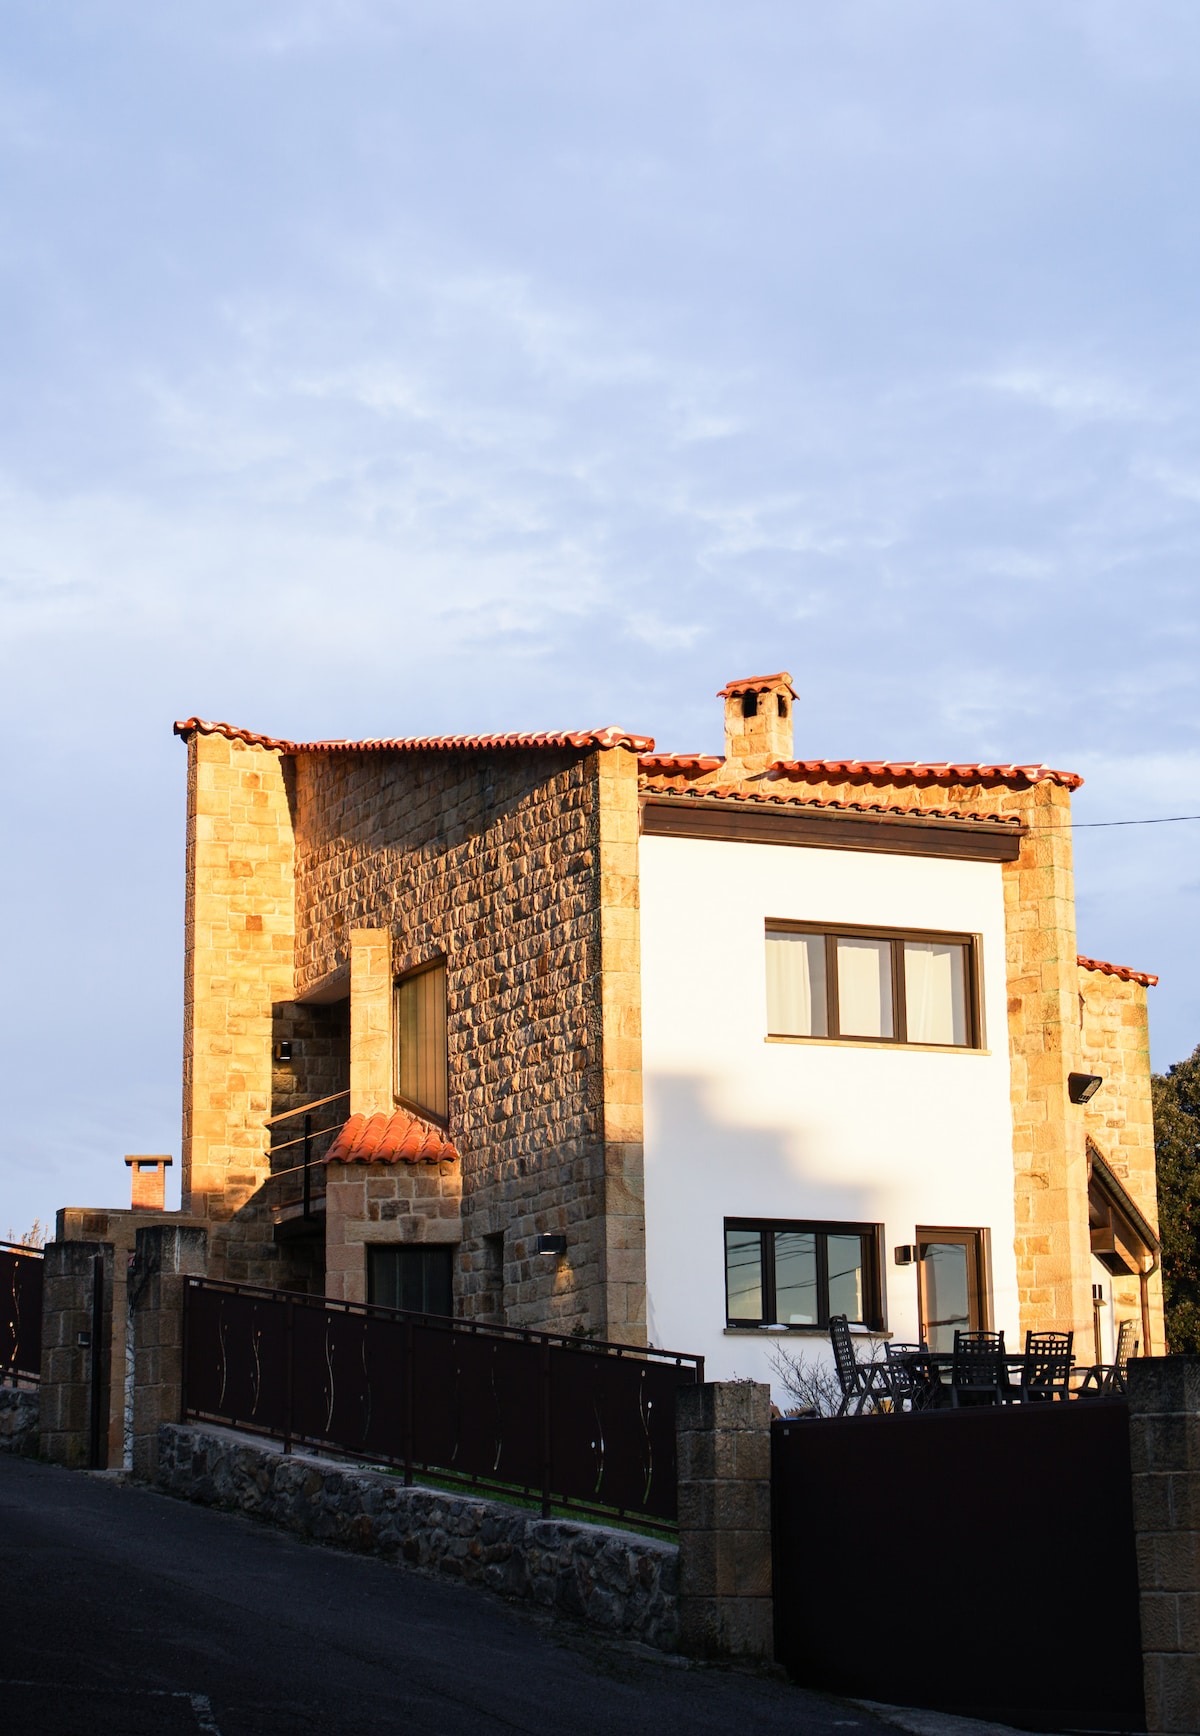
point(392, 368)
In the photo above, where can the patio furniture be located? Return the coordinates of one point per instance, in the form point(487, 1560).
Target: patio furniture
point(909, 1380)
point(1046, 1367)
point(1107, 1380)
point(978, 1369)
point(862, 1383)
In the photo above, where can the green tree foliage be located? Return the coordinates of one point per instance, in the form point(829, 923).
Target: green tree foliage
point(1177, 1147)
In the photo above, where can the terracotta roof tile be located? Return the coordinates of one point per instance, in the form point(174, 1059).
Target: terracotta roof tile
point(918, 772)
point(611, 736)
point(758, 684)
point(1126, 974)
point(679, 762)
point(732, 793)
point(401, 1137)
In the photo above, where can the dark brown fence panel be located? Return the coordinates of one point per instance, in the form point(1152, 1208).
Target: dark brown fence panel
point(573, 1422)
point(978, 1562)
point(20, 1312)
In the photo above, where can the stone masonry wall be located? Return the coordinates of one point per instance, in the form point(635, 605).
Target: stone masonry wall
point(615, 1580)
point(389, 1203)
point(19, 1412)
point(1120, 1118)
point(238, 966)
point(497, 861)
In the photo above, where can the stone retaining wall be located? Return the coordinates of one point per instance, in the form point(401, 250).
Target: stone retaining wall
point(615, 1580)
point(19, 1412)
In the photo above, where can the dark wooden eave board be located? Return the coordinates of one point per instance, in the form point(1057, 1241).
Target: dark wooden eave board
point(829, 829)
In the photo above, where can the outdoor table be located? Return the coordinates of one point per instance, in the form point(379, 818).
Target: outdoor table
point(931, 1365)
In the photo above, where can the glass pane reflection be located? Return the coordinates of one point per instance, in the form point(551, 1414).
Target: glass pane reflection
point(796, 1278)
point(845, 1275)
point(947, 1292)
point(743, 1274)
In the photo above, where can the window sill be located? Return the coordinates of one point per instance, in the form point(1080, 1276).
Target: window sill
point(801, 1332)
point(877, 1043)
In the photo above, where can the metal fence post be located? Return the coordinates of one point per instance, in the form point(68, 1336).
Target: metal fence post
point(547, 1436)
point(409, 1385)
point(96, 1417)
point(289, 1374)
point(307, 1209)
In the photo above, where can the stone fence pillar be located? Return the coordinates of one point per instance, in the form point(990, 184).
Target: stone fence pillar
point(723, 1444)
point(76, 1336)
point(165, 1255)
point(1164, 1441)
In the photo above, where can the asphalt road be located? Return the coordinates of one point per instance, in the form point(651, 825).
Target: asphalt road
point(125, 1613)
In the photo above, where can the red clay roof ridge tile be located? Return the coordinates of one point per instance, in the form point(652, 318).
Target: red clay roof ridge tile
point(401, 1137)
point(920, 771)
point(1126, 973)
point(758, 684)
point(612, 735)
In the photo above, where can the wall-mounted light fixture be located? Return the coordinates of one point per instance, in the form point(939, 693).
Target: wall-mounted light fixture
point(550, 1245)
point(1082, 1087)
point(283, 1050)
point(905, 1254)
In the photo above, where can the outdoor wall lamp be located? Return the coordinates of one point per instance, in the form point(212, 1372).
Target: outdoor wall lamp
point(283, 1050)
point(551, 1245)
point(905, 1254)
point(1082, 1087)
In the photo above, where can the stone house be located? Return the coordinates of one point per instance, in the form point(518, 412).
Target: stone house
point(582, 1036)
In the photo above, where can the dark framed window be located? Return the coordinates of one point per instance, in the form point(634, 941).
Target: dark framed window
point(783, 1273)
point(417, 1277)
point(873, 985)
point(420, 1025)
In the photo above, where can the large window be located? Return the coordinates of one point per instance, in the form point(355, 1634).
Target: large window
point(884, 986)
point(421, 1039)
point(798, 1274)
point(420, 1278)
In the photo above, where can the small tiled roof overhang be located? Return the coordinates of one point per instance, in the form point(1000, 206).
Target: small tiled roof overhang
point(919, 772)
point(1124, 971)
point(401, 1137)
point(611, 736)
point(759, 684)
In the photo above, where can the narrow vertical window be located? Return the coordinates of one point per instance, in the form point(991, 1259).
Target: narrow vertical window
point(797, 1004)
point(421, 1040)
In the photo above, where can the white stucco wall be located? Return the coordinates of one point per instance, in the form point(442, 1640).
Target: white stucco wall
point(737, 1126)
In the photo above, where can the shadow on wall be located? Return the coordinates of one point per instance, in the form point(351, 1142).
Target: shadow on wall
point(711, 1163)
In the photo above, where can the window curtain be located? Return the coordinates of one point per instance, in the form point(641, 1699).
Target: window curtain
point(935, 992)
point(864, 988)
point(796, 985)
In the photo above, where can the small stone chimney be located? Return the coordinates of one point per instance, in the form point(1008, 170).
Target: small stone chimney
point(149, 1176)
point(758, 723)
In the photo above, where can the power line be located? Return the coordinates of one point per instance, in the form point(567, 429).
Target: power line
point(1164, 820)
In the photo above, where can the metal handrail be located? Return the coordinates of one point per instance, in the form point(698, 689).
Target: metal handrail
point(316, 1103)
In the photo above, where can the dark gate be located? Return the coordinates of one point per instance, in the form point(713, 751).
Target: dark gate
point(979, 1562)
point(20, 1312)
point(574, 1422)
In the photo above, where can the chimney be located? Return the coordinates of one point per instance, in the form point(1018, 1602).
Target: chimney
point(758, 723)
point(149, 1183)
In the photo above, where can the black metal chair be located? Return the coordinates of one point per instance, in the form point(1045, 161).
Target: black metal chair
point(862, 1383)
point(908, 1383)
point(978, 1370)
point(1107, 1380)
point(1046, 1366)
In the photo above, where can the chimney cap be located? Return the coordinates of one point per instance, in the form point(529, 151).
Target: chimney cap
point(144, 1162)
point(759, 684)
